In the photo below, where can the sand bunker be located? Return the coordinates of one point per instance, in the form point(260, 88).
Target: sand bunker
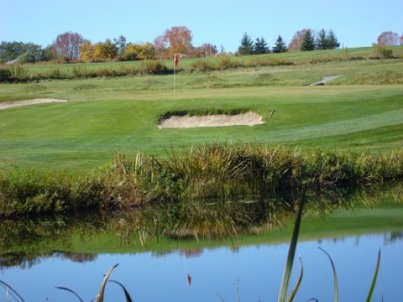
point(216, 120)
point(7, 105)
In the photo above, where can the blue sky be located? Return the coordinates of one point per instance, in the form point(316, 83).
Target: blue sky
point(355, 22)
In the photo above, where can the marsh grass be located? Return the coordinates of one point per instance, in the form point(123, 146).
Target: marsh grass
point(208, 172)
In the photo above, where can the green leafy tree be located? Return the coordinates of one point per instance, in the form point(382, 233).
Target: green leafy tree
point(120, 43)
point(246, 47)
point(48, 54)
point(32, 54)
point(308, 42)
point(145, 51)
point(279, 46)
point(105, 50)
point(261, 46)
point(23, 52)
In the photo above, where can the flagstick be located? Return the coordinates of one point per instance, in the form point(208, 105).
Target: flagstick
point(174, 77)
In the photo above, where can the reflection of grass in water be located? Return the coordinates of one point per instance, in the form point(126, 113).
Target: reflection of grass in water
point(283, 293)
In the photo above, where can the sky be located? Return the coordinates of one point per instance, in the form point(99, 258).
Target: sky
point(356, 23)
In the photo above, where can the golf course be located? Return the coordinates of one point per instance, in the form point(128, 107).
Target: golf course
point(225, 149)
point(361, 109)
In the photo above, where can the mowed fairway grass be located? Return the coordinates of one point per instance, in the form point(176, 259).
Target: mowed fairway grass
point(105, 116)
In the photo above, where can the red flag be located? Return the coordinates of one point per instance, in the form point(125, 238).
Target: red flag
point(176, 59)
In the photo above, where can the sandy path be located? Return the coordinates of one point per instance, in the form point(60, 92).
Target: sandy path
point(7, 105)
point(325, 80)
point(218, 120)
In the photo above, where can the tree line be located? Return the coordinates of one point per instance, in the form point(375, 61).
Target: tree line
point(303, 40)
point(73, 47)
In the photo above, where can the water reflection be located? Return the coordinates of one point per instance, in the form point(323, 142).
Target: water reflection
point(207, 251)
point(26, 242)
point(393, 237)
point(252, 273)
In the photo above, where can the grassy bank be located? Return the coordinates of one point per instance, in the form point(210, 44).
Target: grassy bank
point(52, 71)
point(218, 171)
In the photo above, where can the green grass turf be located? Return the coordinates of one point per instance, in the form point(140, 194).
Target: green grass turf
point(107, 115)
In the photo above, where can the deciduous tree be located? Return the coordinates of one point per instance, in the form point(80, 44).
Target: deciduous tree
point(145, 51)
point(67, 45)
point(161, 47)
point(86, 51)
point(388, 38)
point(23, 52)
point(120, 43)
point(296, 41)
point(204, 50)
point(177, 39)
point(105, 50)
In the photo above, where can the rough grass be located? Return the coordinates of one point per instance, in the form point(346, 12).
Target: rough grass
point(217, 171)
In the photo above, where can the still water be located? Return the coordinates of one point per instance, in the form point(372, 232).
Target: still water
point(251, 273)
point(36, 256)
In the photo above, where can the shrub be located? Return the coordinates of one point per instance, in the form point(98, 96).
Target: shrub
point(154, 67)
point(5, 75)
point(225, 62)
point(19, 74)
point(201, 65)
point(79, 71)
point(383, 52)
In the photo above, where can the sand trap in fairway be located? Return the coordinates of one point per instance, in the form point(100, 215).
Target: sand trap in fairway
point(7, 105)
point(216, 120)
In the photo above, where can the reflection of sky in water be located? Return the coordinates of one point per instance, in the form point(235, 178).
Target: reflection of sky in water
point(254, 273)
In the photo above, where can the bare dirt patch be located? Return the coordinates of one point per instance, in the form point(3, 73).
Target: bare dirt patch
point(7, 105)
point(214, 120)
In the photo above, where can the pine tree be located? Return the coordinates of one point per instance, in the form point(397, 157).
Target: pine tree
point(279, 46)
point(261, 46)
point(322, 40)
point(246, 47)
point(308, 42)
point(331, 40)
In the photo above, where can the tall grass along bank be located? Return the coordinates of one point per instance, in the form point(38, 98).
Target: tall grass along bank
point(209, 172)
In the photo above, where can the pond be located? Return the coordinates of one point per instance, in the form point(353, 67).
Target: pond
point(38, 255)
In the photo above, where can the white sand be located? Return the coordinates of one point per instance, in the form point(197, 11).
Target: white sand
point(217, 120)
point(7, 105)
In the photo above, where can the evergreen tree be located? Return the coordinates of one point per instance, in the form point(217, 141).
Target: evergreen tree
point(322, 40)
point(308, 42)
point(279, 46)
point(261, 46)
point(246, 47)
point(331, 40)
